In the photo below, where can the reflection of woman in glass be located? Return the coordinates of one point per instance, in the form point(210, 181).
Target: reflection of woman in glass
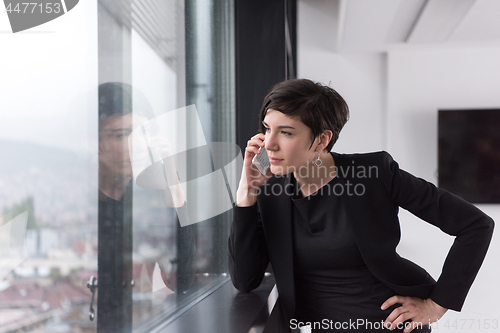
point(114, 301)
point(328, 225)
point(116, 122)
point(115, 280)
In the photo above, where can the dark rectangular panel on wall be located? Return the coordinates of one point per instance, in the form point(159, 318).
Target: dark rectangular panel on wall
point(469, 154)
point(261, 57)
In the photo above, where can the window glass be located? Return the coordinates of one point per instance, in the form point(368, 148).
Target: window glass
point(48, 172)
point(116, 141)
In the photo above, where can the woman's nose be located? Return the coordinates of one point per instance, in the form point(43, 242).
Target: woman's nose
point(270, 142)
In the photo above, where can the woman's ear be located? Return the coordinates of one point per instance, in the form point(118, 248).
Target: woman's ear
point(324, 139)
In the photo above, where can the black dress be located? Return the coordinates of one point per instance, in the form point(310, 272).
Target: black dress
point(114, 298)
point(335, 291)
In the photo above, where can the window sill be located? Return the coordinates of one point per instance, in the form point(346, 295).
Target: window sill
point(226, 310)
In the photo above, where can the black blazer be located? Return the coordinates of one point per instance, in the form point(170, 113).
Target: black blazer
point(262, 233)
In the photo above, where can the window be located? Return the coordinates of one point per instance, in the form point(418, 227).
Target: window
point(73, 202)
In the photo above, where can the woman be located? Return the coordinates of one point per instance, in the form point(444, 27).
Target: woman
point(328, 225)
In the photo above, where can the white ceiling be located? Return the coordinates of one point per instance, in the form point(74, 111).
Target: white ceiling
point(381, 25)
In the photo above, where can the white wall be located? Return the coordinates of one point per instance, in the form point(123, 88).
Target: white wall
point(421, 81)
point(394, 98)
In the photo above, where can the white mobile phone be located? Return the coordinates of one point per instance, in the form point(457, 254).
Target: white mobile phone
point(261, 161)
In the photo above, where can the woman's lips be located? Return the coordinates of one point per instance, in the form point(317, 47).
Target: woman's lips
point(274, 160)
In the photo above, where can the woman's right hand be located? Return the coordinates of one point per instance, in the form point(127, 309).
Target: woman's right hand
point(251, 179)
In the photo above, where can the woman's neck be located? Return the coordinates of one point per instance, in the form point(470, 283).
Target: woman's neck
point(113, 186)
point(316, 177)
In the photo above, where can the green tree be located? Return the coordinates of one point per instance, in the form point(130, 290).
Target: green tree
point(18, 208)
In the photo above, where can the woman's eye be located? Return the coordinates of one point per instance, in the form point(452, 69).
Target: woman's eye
point(120, 136)
point(267, 129)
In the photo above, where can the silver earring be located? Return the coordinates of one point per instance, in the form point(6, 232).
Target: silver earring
point(318, 162)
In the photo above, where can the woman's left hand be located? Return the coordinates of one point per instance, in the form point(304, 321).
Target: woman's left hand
point(424, 311)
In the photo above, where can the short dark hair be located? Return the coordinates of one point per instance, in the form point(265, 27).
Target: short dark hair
point(318, 106)
point(115, 100)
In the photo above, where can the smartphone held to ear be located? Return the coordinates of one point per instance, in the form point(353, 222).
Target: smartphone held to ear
point(261, 161)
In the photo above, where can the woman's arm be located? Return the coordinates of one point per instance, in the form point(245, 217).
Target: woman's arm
point(473, 229)
point(248, 258)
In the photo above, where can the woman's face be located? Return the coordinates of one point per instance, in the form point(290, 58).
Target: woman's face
point(287, 142)
point(114, 155)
